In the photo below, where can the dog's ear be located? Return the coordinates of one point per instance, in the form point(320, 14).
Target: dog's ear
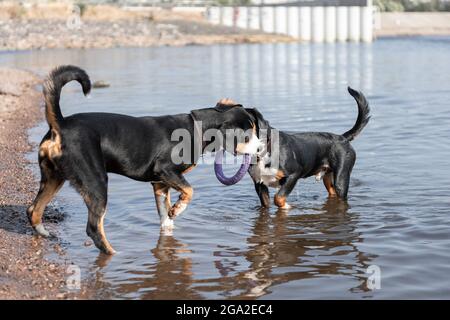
point(259, 120)
point(226, 104)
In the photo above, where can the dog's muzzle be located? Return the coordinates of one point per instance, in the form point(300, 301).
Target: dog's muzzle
point(251, 147)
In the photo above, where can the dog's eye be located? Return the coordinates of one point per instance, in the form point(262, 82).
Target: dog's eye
point(247, 139)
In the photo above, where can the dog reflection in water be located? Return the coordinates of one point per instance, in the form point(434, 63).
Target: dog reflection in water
point(294, 241)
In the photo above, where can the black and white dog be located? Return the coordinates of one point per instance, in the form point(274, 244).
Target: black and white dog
point(304, 154)
point(83, 148)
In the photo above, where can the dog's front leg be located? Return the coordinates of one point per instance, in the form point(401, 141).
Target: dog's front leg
point(179, 183)
point(186, 193)
point(285, 190)
point(263, 194)
point(162, 198)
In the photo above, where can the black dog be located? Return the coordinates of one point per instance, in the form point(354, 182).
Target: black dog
point(83, 147)
point(301, 155)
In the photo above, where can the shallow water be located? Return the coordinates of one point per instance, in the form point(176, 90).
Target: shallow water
point(224, 246)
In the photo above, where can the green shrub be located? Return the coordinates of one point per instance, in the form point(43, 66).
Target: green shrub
point(389, 5)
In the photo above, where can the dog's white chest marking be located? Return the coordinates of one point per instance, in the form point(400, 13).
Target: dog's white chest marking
point(319, 175)
point(323, 170)
point(265, 175)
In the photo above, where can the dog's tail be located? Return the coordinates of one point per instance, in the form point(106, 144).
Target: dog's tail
point(363, 115)
point(57, 78)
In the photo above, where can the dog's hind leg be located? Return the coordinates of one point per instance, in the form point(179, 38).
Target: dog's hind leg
point(95, 197)
point(90, 179)
point(328, 181)
point(51, 182)
point(162, 198)
point(85, 169)
point(342, 170)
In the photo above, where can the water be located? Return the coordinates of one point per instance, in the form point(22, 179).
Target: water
point(224, 246)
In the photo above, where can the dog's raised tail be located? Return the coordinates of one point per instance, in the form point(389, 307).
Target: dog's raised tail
point(53, 84)
point(363, 115)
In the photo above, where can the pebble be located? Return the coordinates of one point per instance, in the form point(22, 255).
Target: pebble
point(100, 84)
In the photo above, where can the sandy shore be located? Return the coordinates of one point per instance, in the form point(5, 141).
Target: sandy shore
point(49, 34)
point(56, 26)
point(25, 272)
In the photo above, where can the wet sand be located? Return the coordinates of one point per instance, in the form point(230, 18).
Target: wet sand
point(25, 270)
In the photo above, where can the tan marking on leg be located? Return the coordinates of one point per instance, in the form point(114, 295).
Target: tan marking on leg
point(186, 194)
point(96, 231)
point(168, 204)
point(51, 148)
point(280, 201)
point(328, 182)
point(36, 210)
point(189, 169)
point(160, 189)
point(163, 190)
point(279, 175)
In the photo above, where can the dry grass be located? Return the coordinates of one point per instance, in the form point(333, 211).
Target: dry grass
point(58, 11)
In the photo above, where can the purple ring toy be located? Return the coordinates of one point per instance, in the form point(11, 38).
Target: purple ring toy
point(239, 174)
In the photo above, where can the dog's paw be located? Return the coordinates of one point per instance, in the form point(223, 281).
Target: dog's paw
point(108, 250)
point(166, 224)
point(40, 230)
point(285, 207)
point(167, 227)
